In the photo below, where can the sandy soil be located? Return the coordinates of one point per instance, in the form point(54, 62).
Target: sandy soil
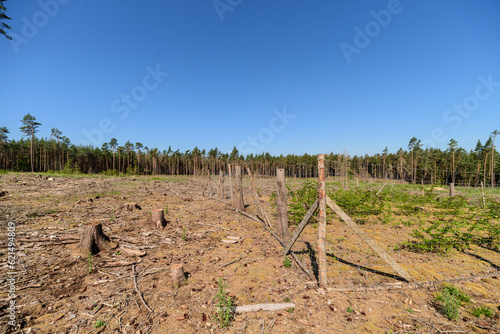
point(57, 293)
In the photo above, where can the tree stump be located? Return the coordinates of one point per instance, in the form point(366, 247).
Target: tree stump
point(177, 274)
point(93, 238)
point(158, 218)
point(452, 189)
point(129, 206)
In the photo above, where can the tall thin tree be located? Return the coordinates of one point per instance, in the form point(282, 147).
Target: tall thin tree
point(113, 144)
point(29, 129)
point(452, 145)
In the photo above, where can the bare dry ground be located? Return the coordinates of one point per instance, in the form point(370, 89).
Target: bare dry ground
point(60, 290)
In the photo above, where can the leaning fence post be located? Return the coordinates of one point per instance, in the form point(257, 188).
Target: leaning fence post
point(322, 221)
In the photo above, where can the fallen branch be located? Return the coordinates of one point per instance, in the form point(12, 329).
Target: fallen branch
point(139, 291)
point(263, 307)
point(227, 264)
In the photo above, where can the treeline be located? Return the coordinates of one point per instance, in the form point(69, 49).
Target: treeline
point(413, 164)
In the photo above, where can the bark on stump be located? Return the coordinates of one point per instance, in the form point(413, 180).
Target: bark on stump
point(158, 218)
point(93, 238)
point(452, 189)
point(177, 274)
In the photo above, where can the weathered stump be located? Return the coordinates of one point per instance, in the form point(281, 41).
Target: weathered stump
point(177, 274)
point(158, 218)
point(93, 238)
point(452, 189)
point(129, 206)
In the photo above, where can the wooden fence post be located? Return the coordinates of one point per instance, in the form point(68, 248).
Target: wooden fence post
point(238, 190)
point(256, 198)
point(452, 189)
point(322, 221)
point(220, 195)
point(281, 198)
point(231, 185)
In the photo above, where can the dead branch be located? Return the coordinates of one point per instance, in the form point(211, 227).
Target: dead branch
point(137, 289)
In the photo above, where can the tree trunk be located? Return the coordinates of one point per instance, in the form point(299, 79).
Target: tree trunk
point(238, 190)
point(158, 218)
point(93, 238)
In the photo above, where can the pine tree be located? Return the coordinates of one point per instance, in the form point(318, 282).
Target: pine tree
point(29, 129)
point(4, 17)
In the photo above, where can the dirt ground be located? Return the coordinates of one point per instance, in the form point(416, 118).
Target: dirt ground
point(61, 290)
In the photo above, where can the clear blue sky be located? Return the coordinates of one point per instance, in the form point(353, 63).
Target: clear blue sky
point(231, 69)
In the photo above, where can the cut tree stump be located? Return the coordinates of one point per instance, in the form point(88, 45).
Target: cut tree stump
point(129, 206)
point(93, 239)
point(158, 218)
point(177, 274)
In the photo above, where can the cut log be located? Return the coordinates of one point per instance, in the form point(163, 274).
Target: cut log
point(263, 307)
point(158, 218)
point(129, 206)
point(177, 274)
point(93, 239)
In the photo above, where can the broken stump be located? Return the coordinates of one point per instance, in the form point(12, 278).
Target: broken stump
point(177, 274)
point(158, 218)
point(93, 239)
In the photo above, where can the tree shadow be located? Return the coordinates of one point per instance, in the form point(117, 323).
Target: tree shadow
point(314, 261)
point(483, 259)
point(373, 271)
point(490, 249)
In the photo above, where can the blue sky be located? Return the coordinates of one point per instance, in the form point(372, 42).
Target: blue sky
point(276, 76)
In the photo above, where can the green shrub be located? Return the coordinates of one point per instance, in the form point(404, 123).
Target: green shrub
point(450, 299)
